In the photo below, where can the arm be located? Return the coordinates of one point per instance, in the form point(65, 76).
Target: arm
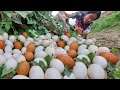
point(69, 15)
point(78, 30)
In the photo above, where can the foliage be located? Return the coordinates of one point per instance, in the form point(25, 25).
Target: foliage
point(7, 73)
point(110, 69)
point(67, 71)
point(116, 74)
point(115, 50)
point(84, 60)
point(38, 22)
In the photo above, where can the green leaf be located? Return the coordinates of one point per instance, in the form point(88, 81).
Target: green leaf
point(1, 68)
point(7, 26)
point(65, 43)
point(116, 74)
point(30, 21)
point(110, 67)
point(29, 12)
point(9, 15)
point(18, 21)
point(31, 32)
point(70, 31)
point(54, 23)
point(42, 65)
point(67, 71)
point(13, 73)
point(35, 63)
point(41, 27)
point(75, 34)
point(42, 15)
point(77, 59)
point(115, 50)
point(40, 32)
point(5, 71)
point(1, 32)
point(91, 56)
point(9, 22)
point(48, 59)
point(84, 60)
point(22, 13)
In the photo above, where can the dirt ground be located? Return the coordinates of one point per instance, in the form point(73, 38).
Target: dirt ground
point(110, 39)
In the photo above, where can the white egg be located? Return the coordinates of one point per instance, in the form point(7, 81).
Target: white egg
point(36, 72)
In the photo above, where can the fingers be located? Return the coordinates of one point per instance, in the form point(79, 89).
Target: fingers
point(78, 28)
point(85, 33)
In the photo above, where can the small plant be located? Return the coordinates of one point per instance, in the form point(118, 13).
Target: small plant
point(115, 50)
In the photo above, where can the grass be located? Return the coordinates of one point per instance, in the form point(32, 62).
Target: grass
point(107, 23)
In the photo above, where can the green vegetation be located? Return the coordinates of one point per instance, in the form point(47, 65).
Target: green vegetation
point(33, 22)
point(107, 23)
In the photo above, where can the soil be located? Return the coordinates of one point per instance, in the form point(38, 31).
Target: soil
point(110, 39)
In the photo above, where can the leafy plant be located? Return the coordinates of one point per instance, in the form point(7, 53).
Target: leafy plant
point(110, 67)
point(91, 56)
point(48, 58)
point(7, 73)
point(41, 64)
point(110, 70)
point(67, 71)
point(84, 60)
point(1, 68)
point(115, 50)
point(38, 22)
point(73, 33)
point(5, 25)
point(116, 74)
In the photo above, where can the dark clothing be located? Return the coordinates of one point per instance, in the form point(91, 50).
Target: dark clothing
point(79, 21)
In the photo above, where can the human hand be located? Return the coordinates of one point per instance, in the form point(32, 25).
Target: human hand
point(79, 30)
point(85, 33)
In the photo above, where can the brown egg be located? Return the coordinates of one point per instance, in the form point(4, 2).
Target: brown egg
point(2, 44)
point(66, 60)
point(23, 68)
point(60, 44)
point(74, 46)
point(109, 57)
point(25, 34)
point(17, 45)
point(29, 56)
point(72, 53)
point(30, 47)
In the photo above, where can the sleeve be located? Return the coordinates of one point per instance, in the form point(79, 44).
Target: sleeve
point(88, 29)
point(78, 14)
